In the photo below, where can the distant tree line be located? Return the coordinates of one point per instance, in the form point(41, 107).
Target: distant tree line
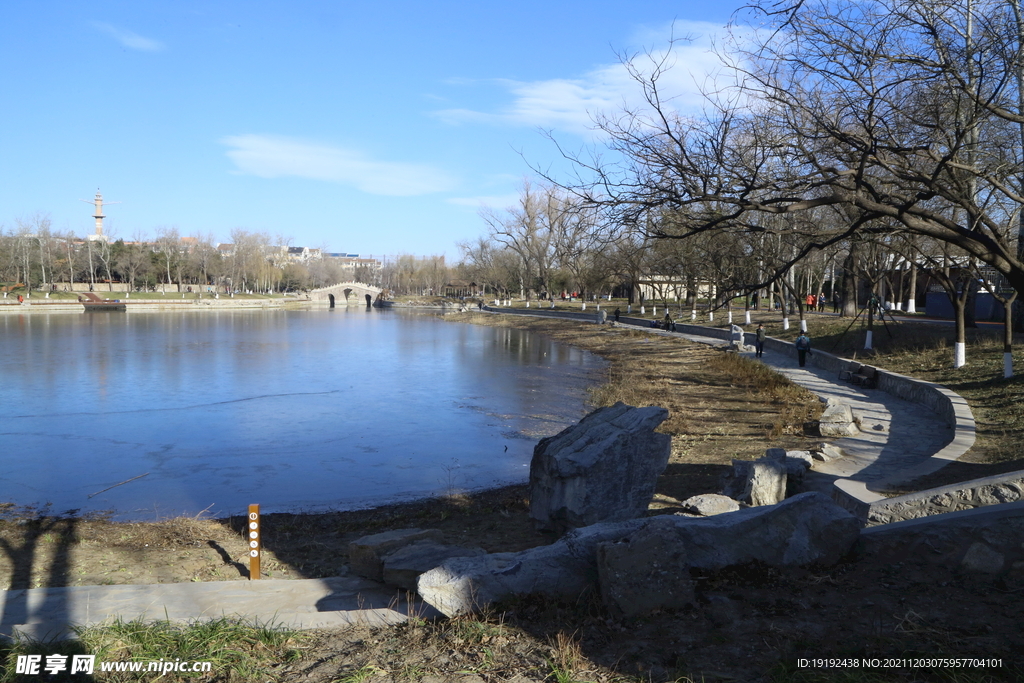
point(33, 253)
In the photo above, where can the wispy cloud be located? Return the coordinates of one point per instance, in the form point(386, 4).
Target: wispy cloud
point(269, 156)
point(129, 38)
point(572, 104)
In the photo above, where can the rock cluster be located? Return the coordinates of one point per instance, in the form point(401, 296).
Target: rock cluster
point(643, 564)
point(603, 468)
point(837, 420)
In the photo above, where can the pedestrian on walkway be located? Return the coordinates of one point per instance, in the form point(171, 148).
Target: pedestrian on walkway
point(803, 348)
point(616, 315)
point(836, 302)
point(761, 335)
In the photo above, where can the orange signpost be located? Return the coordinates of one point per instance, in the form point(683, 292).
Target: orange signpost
point(254, 542)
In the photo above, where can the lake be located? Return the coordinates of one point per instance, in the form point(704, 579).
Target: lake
point(297, 410)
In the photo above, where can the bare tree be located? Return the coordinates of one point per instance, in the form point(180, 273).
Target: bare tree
point(903, 114)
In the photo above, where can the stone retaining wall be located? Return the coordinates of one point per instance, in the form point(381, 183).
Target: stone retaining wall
point(982, 541)
point(1002, 488)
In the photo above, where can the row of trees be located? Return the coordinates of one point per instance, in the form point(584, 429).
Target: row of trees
point(33, 253)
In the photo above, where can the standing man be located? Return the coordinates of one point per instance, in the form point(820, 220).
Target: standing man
point(803, 347)
point(761, 335)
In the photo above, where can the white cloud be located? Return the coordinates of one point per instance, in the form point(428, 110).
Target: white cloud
point(571, 104)
point(269, 156)
point(129, 38)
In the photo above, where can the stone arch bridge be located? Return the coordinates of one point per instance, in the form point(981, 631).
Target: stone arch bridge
point(347, 294)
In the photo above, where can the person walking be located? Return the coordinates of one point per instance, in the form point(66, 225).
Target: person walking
point(616, 314)
point(761, 335)
point(803, 348)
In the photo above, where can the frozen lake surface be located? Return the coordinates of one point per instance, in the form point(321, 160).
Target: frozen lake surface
point(294, 410)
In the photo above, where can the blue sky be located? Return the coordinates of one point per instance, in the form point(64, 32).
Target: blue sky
point(372, 128)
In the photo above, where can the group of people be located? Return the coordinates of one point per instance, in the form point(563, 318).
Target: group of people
point(816, 302)
point(803, 344)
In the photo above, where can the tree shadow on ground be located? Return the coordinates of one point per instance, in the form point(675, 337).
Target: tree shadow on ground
point(45, 540)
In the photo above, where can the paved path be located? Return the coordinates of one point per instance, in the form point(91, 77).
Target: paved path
point(896, 435)
point(305, 603)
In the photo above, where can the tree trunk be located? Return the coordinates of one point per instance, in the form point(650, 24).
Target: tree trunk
point(850, 284)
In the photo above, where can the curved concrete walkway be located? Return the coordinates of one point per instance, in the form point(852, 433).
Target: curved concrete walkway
point(896, 438)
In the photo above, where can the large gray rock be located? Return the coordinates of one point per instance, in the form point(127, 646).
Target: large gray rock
point(650, 568)
point(403, 566)
point(808, 528)
point(708, 504)
point(756, 482)
point(564, 569)
point(736, 339)
point(366, 555)
point(603, 468)
point(826, 452)
point(837, 420)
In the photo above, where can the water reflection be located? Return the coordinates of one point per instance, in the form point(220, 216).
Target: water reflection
point(291, 409)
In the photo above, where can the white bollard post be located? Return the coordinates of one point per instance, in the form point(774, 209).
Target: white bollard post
point(747, 316)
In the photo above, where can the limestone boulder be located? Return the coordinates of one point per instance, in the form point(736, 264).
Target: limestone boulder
point(403, 566)
point(650, 568)
point(756, 482)
point(708, 504)
point(603, 468)
point(837, 420)
point(366, 555)
point(826, 452)
point(564, 569)
point(805, 458)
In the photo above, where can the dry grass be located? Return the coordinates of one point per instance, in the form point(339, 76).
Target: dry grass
point(721, 406)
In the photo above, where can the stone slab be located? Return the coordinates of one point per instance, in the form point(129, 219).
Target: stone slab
point(366, 555)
